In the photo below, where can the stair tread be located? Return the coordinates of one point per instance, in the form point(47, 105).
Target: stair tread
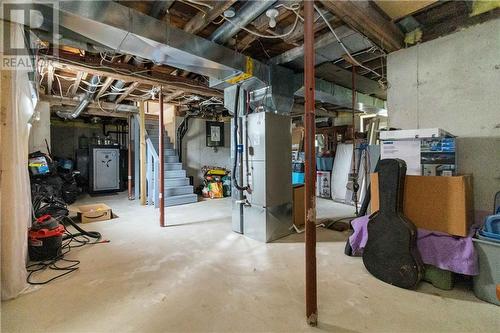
point(181, 199)
point(184, 195)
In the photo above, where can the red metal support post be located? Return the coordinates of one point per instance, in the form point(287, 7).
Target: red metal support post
point(129, 156)
point(354, 170)
point(161, 169)
point(310, 166)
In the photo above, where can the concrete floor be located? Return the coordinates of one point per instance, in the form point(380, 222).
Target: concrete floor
point(197, 275)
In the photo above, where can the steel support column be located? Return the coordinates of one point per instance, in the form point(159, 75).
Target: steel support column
point(354, 167)
point(161, 168)
point(310, 165)
point(129, 156)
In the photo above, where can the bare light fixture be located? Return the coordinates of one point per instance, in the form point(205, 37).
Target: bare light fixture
point(272, 13)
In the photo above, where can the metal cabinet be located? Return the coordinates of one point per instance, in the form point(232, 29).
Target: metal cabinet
point(105, 169)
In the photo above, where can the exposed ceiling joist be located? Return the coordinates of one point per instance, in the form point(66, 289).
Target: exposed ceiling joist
point(323, 40)
point(173, 96)
point(65, 60)
point(105, 86)
point(261, 24)
point(202, 20)
point(159, 8)
point(50, 80)
point(76, 84)
point(397, 9)
point(94, 109)
point(343, 77)
point(298, 33)
point(361, 16)
point(246, 14)
point(127, 92)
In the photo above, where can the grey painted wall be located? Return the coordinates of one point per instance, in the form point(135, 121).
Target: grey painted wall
point(196, 154)
point(453, 83)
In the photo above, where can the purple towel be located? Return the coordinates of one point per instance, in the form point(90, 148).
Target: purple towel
point(444, 251)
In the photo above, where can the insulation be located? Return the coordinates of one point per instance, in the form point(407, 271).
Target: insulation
point(17, 109)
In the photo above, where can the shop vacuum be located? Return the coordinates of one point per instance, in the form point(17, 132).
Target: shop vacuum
point(45, 239)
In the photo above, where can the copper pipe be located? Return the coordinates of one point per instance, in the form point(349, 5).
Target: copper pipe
point(161, 169)
point(310, 166)
point(129, 155)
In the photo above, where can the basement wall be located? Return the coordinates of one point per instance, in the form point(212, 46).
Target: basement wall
point(40, 130)
point(453, 83)
point(196, 154)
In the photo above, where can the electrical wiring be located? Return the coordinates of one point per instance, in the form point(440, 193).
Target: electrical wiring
point(41, 77)
point(104, 57)
point(60, 88)
point(42, 204)
point(294, 8)
point(266, 36)
point(67, 78)
point(197, 4)
point(81, 238)
point(124, 72)
point(342, 44)
point(69, 88)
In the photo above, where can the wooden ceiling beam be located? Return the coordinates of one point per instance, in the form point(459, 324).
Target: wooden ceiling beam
point(127, 92)
point(361, 16)
point(104, 87)
point(173, 96)
point(76, 84)
point(202, 20)
point(93, 108)
point(119, 71)
point(261, 24)
point(160, 8)
point(298, 34)
point(50, 80)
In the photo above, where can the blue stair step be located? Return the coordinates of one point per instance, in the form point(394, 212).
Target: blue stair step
point(174, 182)
point(172, 159)
point(179, 190)
point(181, 200)
point(172, 166)
point(169, 152)
point(175, 174)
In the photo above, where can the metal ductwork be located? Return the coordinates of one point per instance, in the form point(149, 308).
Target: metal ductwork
point(87, 98)
point(129, 31)
point(118, 85)
point(249, 12)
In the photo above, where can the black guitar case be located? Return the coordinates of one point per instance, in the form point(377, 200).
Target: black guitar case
point(391, 253)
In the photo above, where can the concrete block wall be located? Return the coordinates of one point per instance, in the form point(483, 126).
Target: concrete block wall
point(453, 83)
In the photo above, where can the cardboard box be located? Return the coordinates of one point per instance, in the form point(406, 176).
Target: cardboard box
point(94, 213)
point(435, 203)
point(297, 138)
point(299, 208)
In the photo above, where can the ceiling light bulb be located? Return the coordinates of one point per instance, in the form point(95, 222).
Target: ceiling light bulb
point(272, 14)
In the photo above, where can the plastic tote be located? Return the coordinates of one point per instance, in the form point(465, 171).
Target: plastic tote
point(485, 284)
